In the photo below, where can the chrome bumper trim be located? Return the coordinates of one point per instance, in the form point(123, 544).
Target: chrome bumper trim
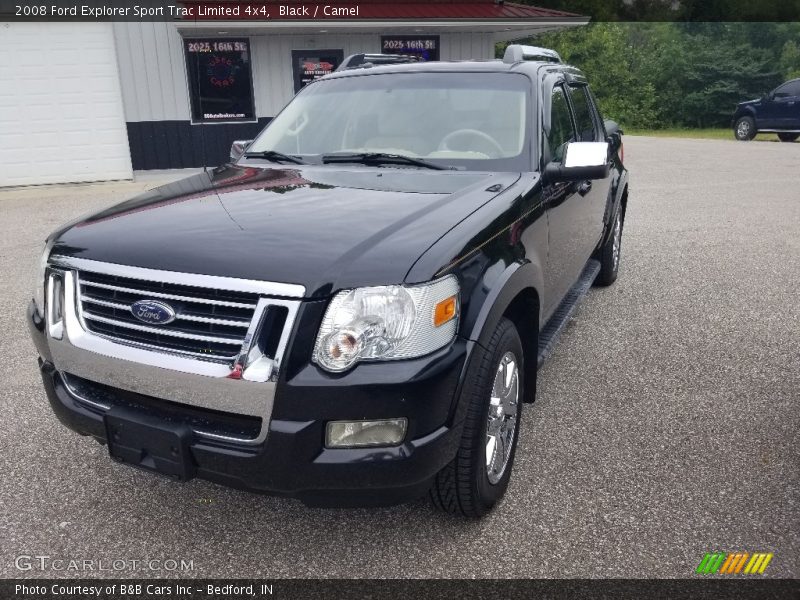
point(104, 407)
point(80, 398)
point(245, 386)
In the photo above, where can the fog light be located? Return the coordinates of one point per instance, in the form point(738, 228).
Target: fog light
point(357, 434)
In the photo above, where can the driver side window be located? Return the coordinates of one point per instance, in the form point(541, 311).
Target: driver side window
point(562, 130)
point(788, 90)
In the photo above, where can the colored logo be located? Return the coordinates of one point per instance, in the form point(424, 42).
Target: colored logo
point(153, 312)
point(734, 563)
point(318, 66)
point(221, 72)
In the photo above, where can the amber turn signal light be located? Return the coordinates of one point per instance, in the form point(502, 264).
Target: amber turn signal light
point(445, 311)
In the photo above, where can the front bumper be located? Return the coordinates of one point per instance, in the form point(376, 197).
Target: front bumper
point(291, 459)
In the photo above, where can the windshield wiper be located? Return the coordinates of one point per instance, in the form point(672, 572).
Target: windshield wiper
point(381, 158)
point(275, 156)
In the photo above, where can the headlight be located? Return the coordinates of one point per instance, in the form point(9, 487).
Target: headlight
point(39, 283)
point(387, 323)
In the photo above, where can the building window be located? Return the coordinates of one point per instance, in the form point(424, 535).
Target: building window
point(310, 65)
point(424, 46)
point(220, 79)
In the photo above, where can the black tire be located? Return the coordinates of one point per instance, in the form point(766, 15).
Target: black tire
point(609, 262)
point(745, 129)
point(463, 486)
point(788, 137)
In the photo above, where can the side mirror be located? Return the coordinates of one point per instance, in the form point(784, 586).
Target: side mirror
point(582, 161)
point(238, 148)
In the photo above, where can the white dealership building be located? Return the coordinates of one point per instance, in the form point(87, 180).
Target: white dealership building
point(93, 101)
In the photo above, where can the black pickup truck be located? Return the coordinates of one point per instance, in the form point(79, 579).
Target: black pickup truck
point(352, 312)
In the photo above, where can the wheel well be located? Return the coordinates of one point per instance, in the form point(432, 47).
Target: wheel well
point(524, 313)
point(746, 112)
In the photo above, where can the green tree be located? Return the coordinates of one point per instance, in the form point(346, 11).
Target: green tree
point(790, 60)
point(604, 51)
point(718, 76)
point(667, 74)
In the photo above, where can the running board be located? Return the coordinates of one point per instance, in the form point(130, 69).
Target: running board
point(556, 324)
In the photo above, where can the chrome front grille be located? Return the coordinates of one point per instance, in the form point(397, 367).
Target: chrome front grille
point(223, 352)
point(210, 323)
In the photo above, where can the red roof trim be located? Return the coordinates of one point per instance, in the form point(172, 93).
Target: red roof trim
point(390, 10)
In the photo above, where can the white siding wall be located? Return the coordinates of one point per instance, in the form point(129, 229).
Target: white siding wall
point(153, 72)
point(466, 46)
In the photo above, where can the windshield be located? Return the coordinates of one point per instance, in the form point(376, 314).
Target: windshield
point(468, 120)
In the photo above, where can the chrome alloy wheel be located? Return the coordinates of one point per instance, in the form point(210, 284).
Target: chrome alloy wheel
point(502, 421)
point(743, 129)
point(617, 243)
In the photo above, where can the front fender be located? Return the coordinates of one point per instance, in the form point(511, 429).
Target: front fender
point(743, 111)
point(496, 252)
point(494, 294)
point(618, 189)
point(488, 302)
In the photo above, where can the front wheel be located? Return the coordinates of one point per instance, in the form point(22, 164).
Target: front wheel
point(478, 476)
point(745, 129)
point(788, 137)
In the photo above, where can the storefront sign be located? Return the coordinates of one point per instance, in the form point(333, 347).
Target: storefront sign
point(310, 65)
point(220, 80)
point(424, 46)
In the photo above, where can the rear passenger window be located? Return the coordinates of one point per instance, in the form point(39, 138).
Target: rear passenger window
point(561, 129)
point(584, 118)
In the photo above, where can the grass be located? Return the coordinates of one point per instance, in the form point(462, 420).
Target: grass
point(705, 134)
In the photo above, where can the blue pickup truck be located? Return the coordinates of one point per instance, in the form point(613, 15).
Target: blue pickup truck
point(776, 112)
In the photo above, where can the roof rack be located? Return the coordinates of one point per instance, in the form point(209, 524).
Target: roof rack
point(366, 61)
point(518, 53)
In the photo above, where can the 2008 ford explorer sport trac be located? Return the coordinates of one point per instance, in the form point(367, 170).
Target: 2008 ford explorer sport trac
point(353, 311)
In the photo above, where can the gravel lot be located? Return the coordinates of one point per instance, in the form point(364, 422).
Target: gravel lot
point(667, 423)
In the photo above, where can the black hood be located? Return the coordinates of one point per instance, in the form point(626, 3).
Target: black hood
point(325, 228)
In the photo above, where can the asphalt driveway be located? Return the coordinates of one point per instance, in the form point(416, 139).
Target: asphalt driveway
point(667, 423)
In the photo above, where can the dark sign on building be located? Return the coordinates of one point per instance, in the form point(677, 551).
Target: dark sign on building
point(220, 79)
point(310, 65)
point(424, 46)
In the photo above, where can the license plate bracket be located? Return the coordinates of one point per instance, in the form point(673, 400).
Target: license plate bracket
point(149, 443)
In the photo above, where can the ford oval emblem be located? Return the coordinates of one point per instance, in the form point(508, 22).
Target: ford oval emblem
point(153, 312)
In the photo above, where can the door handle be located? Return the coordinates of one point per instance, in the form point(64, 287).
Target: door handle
point(584, 188)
